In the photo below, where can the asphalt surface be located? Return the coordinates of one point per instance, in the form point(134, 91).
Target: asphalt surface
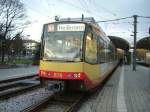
point(18, 71)
point(126, 91)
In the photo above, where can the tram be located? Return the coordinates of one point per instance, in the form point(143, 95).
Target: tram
point(75, 55)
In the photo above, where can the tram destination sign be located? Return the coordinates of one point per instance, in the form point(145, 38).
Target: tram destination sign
point(70, 27)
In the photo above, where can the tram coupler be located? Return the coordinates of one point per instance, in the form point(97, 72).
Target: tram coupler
point(56, 86)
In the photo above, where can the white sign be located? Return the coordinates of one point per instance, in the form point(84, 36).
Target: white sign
point(50, 28)
point(71, 27)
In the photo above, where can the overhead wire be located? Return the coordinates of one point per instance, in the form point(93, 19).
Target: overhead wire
point(43, 2)
point(144, 16)
point(84, 8)
point(36, 11)
point(117, 20)
point(96, 10)
point(87, 4)
point(105, 9)
point(114, 19)
point(81, 8)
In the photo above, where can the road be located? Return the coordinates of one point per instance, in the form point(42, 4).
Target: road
point(19, 71)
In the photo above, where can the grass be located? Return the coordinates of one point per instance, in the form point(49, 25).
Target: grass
point(24, 61)
point(20, 61)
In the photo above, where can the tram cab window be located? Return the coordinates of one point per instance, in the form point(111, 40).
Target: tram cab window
point(91, 49)
point(63, 46)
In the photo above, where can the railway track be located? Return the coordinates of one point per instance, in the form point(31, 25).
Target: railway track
point(65, 102)
point(11, 87)
point(35, 76)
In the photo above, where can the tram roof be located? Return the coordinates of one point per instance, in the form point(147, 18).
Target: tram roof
point(79, 20)
point(88, 19)
point(144, 43)
point(120, 42)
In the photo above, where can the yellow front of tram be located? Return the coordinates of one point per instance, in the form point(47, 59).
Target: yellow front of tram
point(63, 55)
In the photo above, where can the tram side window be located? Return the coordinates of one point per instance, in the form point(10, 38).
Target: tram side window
point(91, 49)
point(101, 51)
point(104, 51)
point(109, 52)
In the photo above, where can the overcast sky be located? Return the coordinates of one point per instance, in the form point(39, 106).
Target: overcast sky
point(44, 11)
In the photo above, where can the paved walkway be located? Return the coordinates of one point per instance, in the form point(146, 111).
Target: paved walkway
point(16, 72)
point(126, 91)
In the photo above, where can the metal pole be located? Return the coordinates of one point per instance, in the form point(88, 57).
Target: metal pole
point(135, 32)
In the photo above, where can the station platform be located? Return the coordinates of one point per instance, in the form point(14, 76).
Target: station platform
point(126, 91)
point(17, 72)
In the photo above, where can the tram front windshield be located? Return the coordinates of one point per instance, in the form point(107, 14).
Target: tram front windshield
point(63, 45)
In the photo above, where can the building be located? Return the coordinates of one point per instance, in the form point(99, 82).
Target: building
point(30, 47)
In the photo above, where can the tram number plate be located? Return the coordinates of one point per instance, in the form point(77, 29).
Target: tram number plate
point(59, 75)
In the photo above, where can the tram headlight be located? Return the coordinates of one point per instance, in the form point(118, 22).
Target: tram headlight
point(75, 75)
point(79, 75)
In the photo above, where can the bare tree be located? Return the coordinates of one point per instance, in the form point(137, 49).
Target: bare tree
point(17, 43)
point(12, 13)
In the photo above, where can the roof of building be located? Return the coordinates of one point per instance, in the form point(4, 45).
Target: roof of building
point(120, 42)
point(144, 43)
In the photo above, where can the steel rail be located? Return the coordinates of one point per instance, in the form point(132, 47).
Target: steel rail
point(73, 107)
point(18, 78)
point(37, 107)
point(70, 106)
point(10, 93)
